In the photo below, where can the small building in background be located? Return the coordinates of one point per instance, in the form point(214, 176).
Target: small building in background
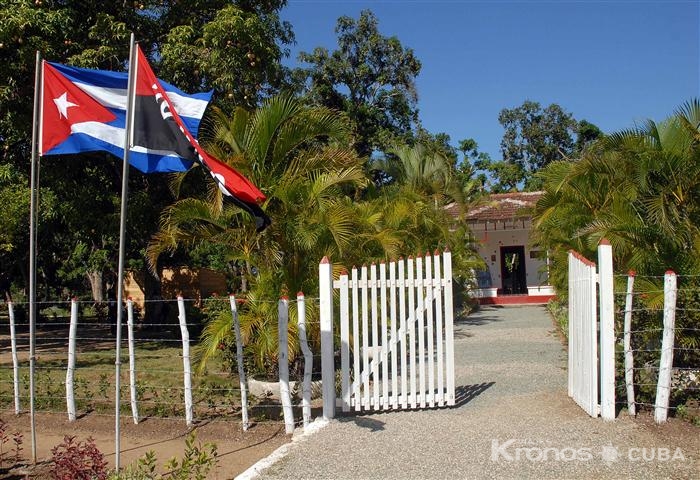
point(196, 284)
point(516, 272)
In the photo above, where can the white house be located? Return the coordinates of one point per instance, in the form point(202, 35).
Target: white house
point(516, 271)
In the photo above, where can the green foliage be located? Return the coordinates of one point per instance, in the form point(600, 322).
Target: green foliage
point(534, 137)
point(370, 77)
point(639, 189)
point(196, 463)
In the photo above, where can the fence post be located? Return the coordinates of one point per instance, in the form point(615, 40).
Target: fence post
point(663, 387)
point(72, 331)
point(283, 362)
point(449, 329)
point(345, 340)
point(15, 361)
point(607, 331)
point(325, 285)
point(243, 384)
point(629, 356)
point(132, 359)
point(185, 359)
point(308, 360)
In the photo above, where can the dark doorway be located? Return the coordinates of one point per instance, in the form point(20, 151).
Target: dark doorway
point(513, 270)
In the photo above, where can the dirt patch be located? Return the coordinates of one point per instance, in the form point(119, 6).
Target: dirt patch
point(237, 450)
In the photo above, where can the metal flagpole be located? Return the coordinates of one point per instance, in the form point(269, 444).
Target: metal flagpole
point(122, 240)
point(33, 217)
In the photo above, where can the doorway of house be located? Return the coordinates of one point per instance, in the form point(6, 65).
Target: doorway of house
point(513, 270)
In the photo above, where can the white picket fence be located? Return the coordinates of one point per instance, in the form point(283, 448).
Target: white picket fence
point(396, 335)
point(592, 343)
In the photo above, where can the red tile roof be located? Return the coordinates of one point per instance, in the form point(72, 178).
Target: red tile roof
point(504, 206)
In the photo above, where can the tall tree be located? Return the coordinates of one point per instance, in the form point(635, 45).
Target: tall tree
point(371, 77)
point(534, 137)
point(245, 37)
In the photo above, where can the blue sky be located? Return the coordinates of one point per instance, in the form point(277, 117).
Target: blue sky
point(610, 62)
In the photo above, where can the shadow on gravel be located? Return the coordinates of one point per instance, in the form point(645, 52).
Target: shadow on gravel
point(478, 320)
point(466, 393)
point(364, 422)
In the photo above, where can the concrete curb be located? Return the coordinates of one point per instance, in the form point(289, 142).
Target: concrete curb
point(258, 467)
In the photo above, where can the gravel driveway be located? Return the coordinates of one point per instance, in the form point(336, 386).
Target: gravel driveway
point(513, 419)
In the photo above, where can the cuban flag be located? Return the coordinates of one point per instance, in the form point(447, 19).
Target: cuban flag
point(84, 110)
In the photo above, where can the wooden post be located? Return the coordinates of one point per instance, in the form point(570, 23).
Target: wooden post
point(132, 359)
point(185, 360)
point(364, 286)
point(344, 340)
point(430, 334)
point(242, 382)
point(384, 357)
point(15, 360)
point(629, 356)
point(663, 387)
point(325, 285)
point(411, 326)
point(420, 297)
point(356, 348)
point(607, 331)
point(402, 328)
point(375, 336)
point(70, 371)
point(392, 319)
point(439, 330)
point(308, 360)
point(283, 363)
point(449, 329)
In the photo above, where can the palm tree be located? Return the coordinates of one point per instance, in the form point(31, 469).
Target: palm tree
point(637, 188)
point(298, 157)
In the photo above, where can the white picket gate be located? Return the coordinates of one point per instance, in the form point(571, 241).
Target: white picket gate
point(592, 344)
point(396, 334)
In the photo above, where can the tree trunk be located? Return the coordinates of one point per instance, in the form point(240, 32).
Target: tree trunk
point(96, 280)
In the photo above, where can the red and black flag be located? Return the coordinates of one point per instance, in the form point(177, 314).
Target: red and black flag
point(158, 126)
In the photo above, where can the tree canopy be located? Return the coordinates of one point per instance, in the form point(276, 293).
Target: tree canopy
point(534, 137)
point(371, 77)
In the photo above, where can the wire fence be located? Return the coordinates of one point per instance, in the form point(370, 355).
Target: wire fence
point(657, 330)
point(76, 365)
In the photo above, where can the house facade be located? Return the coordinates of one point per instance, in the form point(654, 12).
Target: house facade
point(516, 271)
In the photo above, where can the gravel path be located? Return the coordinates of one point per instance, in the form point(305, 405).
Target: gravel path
point(513, 420)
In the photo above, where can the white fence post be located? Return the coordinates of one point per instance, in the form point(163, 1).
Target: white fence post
point(343, 285)
point(402, 285)
point(242, 382)
point(325, 285)
point(364, 285)
point(283, 362)
point(70, 371)
point(449, 329)
point(384, 357)
point(392, 319)
point(185, 359)
point(430, 333)
point(15, 360)
point(376, 352)
point(629, 355)
point(308, 360)
point(439, 330)
point(607, 331)
point(356, 348)
point(132, 359)
point(663, 387)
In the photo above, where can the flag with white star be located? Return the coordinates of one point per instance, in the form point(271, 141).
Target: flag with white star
point(83, 110)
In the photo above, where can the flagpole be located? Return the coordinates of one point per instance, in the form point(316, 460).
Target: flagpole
point(122, 242)
point(33, 209)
